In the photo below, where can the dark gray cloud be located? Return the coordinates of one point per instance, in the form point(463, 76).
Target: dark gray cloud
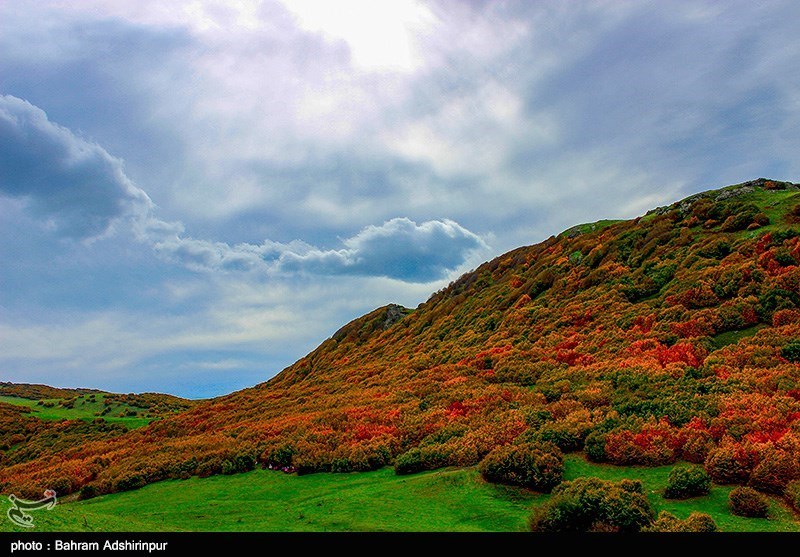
point(400, 248)
point(97, 75)
point(71, 184)
point(692, 92)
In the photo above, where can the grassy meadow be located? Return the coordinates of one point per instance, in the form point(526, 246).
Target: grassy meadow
point(454, 499)
point(84, 407)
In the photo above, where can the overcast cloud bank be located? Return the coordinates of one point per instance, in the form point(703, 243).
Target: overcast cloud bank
point(289, 166)
point(81, 190)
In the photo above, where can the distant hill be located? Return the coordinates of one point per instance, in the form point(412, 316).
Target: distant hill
point(51, 403)
point(673, 336)
point(38, 392)
point(39, 422)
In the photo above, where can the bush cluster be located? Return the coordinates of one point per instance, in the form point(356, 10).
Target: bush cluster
point(538, 467)
point(746, 501)
point(592, 504)
point(420, 459)
point(792, 494)
point(695, 522)
point(685, 482)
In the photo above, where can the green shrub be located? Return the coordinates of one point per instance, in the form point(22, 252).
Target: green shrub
point(410, 462)
point(746, 501)
point(633, 486)
point(791, 351)
point(595, 446)
point(695, 522)
point(209, 467)
point(238, 463)
point(420, 459)
point(88, 491)
point(743, 215)
point(311, 462)
point(538, 467)
point(592, 504)
point(566, 436)
point(360, 458)
point(185, 469)
point(281, 456)
point(719, 250)
point(341, 464)
point(685, 482)
point(785, 258)
point(774, 299)
point(129, 482)
point(62, 486)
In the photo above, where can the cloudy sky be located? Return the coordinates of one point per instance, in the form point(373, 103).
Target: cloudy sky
point(194, 194)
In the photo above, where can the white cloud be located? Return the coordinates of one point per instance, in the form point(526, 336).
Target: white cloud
point(399, 248)
point(481, 126)
point(380, 35)
point(216, 365)
point(202, 255)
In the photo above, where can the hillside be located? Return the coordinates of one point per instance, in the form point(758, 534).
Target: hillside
point(674, 336)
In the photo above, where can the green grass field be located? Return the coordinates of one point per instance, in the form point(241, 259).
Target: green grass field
point(444, 500)
point(84, 408)
point(261, 500)
point(774, 204)
point(732, 337)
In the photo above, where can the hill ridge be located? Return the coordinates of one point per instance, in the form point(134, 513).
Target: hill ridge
point(728, 192)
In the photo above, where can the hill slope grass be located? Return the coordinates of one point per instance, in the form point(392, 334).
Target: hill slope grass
point(84, 408)
point(130, 410)
point(454, 499)
point(446, 500)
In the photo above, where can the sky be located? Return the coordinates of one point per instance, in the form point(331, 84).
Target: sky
point(194, 194)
